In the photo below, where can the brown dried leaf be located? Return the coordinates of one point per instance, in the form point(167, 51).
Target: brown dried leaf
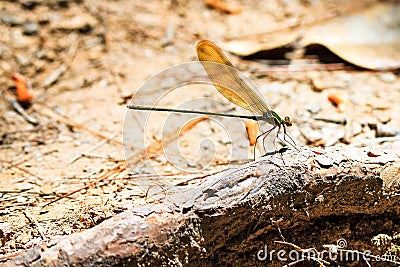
point(369, 39)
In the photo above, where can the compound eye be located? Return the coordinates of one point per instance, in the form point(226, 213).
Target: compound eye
point(288, 122)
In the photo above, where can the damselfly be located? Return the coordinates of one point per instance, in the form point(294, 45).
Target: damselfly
point(233, 87)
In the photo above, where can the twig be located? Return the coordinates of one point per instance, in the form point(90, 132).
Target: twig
point(17, 107)
point(330, 120)
point(11, 255)
point(114, 76)
point(64, 119)
point(375, 141)
point(55, 75)
point(13, 191)
point(279, 229)
point(33, 220)
point(100, 17)
point(101, 143)
point(18, 204)
point(116, 168)
point(88, 176)
point(28, 172)
point(13, 164)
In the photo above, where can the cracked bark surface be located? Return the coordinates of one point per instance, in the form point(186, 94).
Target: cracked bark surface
point(309, 198)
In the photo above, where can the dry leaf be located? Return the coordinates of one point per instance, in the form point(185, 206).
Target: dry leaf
point(369, 39)
point(23, 92)
point(252, 131)
point(339, 100)
point(223, 7)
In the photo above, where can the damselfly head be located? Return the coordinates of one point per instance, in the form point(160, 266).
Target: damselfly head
point(288, 122)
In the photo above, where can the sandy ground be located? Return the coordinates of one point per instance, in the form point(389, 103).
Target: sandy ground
point(103, 52)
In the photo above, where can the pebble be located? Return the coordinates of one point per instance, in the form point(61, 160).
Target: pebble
point(22, 60)
point(169, 36)
point(318, 84)
point(21, 199)
point(384, 130)
point(387, 77)
point(31, 28)
point(5, 229)
point(191, 164)
point(11, 20)
point(62, 3)
point(324, 161)
point(29, 4)
point(314, 109)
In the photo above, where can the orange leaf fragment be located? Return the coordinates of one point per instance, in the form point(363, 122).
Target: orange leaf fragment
point(252, 131)
point(339, 101)
point(187, 127)
point(373, 154)
point(24, 94)
point(223, 7)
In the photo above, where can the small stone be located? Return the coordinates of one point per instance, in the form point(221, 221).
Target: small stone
point(320, 198)
point(5, 232)
point(314, 109)
point(25, 186)
point(46, 190)
point(387, 77)
point(21, 199)
point(41, 54)
point(169, 36)
point(24, 237)
point(318, 84)
point(324, 161)
point(11, 20)
point(83, 23)
point(312, 135)
point(5, 229)
point(29, 4)
point(62, 3)
point(384, 130)
point(23, 60)
point(31, 28)
point(191, 164)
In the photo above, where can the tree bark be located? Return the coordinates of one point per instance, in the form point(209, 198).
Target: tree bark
point(308, 198)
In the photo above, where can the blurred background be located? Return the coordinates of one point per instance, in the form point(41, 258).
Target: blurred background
point(69, 68)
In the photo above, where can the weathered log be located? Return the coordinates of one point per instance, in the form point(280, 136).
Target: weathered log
point(309, 198)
